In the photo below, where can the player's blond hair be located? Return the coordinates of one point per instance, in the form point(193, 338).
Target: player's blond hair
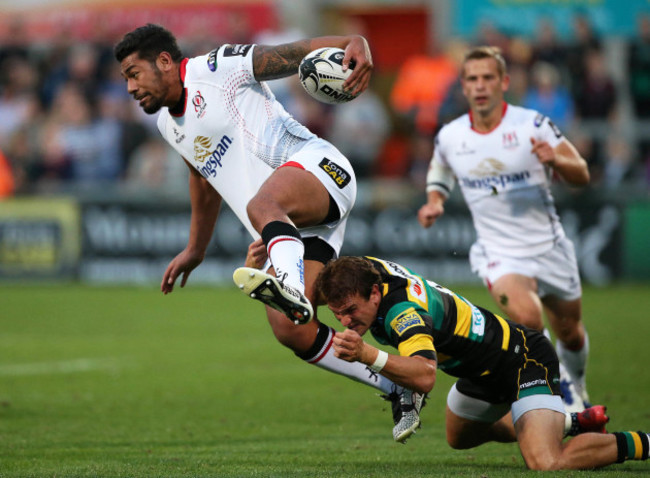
point(482, 52)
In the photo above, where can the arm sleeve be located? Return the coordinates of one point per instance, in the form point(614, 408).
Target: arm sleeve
point(228, 63)
point(440, 177)
point(548, 131)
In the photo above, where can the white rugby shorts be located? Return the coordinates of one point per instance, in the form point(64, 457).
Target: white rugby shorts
point(478, 410)
point(556, 271)
point(335, 172)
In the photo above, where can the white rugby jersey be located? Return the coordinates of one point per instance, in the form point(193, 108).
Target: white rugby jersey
point(503, 182)
point(232, 129)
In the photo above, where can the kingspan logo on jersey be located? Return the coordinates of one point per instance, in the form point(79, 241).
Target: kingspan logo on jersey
point(490, 176)
point(212, 157)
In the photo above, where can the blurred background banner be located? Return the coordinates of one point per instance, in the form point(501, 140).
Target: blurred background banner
point(610, 17)
point(133, 241)
point(89, 190)
point(43, 19)
point(39, 238)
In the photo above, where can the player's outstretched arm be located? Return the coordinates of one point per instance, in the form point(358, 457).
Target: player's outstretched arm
point(564, 159)
point(273, 62)
point(432, 209)
point(205, 209)
point(415, 373)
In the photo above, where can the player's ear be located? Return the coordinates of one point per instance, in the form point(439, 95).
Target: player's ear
point(164, 61)
point(375, 294)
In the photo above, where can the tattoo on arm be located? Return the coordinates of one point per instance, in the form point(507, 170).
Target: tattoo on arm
point(272, 62)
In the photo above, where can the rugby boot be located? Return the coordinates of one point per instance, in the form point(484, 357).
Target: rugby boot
point(593, 419)
point(269, 290)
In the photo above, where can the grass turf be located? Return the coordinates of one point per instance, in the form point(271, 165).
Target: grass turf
point(125, 382)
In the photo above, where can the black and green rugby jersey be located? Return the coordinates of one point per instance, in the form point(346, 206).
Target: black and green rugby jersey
point(420, 317)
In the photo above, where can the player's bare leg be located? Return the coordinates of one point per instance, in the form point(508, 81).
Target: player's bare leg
point(564, 319)
point(516, 295)
point(289, 199)
point(540, 432)
point(572, 341)
point(290, 194)
point(463, 433)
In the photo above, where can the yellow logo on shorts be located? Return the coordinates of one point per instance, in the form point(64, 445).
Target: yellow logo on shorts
point(340, 176)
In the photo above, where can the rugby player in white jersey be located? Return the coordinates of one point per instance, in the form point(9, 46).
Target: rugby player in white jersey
point(287, 186)
point(503, 157)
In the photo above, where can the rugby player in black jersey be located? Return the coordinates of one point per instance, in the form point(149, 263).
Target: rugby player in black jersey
point(508, 375)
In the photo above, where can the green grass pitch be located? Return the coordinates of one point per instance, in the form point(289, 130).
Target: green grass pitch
point(126, 382)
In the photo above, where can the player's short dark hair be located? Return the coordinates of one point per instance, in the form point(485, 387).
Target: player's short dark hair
point(345, 277)
point(482, 52)
point(148, 42)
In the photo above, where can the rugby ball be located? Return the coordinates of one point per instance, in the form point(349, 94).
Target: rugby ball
point(321, 74)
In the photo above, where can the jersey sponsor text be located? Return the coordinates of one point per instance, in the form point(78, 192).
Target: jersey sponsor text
point(203, 152)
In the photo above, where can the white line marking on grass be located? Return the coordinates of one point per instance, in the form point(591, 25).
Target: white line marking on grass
point(68, 366)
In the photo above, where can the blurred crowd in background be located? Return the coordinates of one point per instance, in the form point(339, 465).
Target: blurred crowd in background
point(67, 123)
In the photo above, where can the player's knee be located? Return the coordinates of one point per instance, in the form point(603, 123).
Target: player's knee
point(542, 463)
point(456, 441)
point(571, 333)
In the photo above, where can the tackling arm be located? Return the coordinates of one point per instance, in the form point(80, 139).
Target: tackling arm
point(273, 62)
point(415, 373)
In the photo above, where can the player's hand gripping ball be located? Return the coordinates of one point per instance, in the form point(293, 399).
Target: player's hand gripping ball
point(322, 76)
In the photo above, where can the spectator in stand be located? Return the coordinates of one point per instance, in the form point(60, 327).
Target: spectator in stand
point(596, 97)
point(420, 153)
point(13, 46)
point(619, 166)
point(519, 85)
point(154, 165)
point(585, 40)
point(55, 165)
point(639, 69)
point(359, 129)
point(548, 48)
point(19, 103)
point(639, 80)
point(420, 88)
point(80, 68)
point(91, 143)
point(7, 182)
point(548, 96)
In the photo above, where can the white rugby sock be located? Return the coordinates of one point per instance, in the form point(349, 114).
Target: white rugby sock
point(575, 361)
point(325, 359)
point(286, 252)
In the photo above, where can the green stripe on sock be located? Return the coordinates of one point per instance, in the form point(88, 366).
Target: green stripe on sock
point(631, 447)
